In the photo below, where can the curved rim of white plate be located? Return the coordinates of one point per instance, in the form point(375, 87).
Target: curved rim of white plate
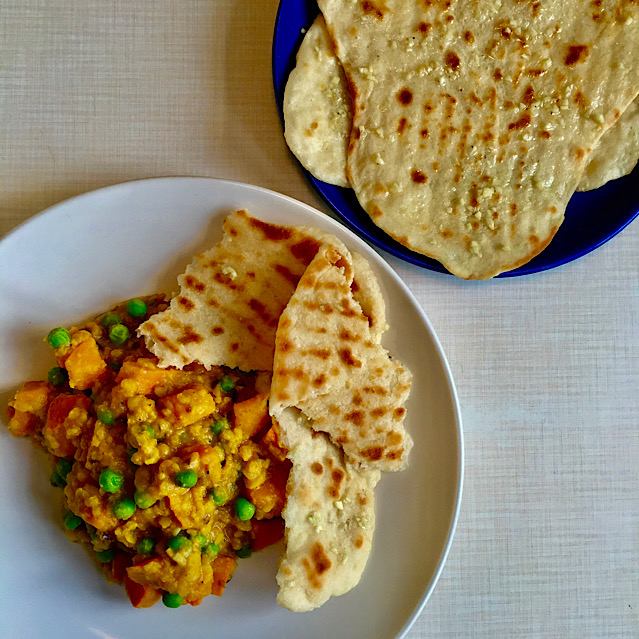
point(22, 227)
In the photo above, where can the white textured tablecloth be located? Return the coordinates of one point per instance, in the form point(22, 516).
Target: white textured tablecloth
point(95, 92)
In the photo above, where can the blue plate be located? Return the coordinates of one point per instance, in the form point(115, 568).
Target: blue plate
point(592, 218)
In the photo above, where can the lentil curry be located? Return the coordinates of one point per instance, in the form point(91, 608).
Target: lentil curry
point(168, 476)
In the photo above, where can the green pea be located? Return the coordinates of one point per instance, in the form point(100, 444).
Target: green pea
point(105, 415)
point(150, 432)
point(219, 425)
point(119, 334)
point(245, 552)
point(72, 521)
point(172, 600)
point(58, 337)
point(186, 478)
point(219, 496)
point(111, 481)
point(145, 546)
point(211, 550)
point(130, 454)
point(227, 384)
point(200, 539)
point(110, 319)
point(143, 500)
point(244, 509)
point(57, 480)
point(124, 508)
point(105, 556)
point(177, 543)
point(58, 376)
point(63, 467)
point(136, 307)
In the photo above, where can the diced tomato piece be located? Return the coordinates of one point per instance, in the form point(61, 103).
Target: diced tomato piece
point(141, 595)
point(252, 415)
point(84, 364)
point(195, 602)
point(54, 430)
point(223, 569)
point(120, 563)
point(267, 532)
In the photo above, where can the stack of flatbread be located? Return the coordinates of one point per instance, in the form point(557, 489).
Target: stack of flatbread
point(296, 302)
point(465, 127)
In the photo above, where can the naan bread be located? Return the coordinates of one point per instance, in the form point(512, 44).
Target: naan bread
point(617, 152)
point(473, 122)
point(614, 156)
point(328, 365)
point(317, 111)
point(368, 295)
point(231, 296)
point(329, 515)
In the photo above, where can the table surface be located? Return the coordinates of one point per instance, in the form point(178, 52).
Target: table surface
point(96, 92)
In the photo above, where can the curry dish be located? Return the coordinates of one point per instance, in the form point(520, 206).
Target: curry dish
point(168, 476)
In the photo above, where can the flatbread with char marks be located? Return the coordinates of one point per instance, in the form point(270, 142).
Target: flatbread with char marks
point(231, 296)
point(473, 121)
point(329, 515)
point(328, 364)
point(318, 130)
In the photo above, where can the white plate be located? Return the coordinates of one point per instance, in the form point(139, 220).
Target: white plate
point(86, 254)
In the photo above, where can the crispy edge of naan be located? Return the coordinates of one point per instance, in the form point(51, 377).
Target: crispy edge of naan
point(616, 153)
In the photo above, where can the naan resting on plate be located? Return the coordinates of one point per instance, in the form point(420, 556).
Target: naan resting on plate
point(231, 296)
point(318, 117)
point(328, 364)
point(329, 515)
point(473, 122)
point(317, 108)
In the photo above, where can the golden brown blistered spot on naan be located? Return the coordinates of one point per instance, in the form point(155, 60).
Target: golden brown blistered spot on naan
point(321, 562)
point(194, 283)
point(576, 54)
point(334, 488)
point(190, 336)
point(356, 417)
point(346, 355)
point(186, 304)
point(374, 453)
point(376, 10)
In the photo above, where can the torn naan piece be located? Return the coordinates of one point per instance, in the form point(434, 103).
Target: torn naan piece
point(329, 517)
point(317, 109)
point(615, 155)
point(473, 122)
point(232, 295)
point(329, 365)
